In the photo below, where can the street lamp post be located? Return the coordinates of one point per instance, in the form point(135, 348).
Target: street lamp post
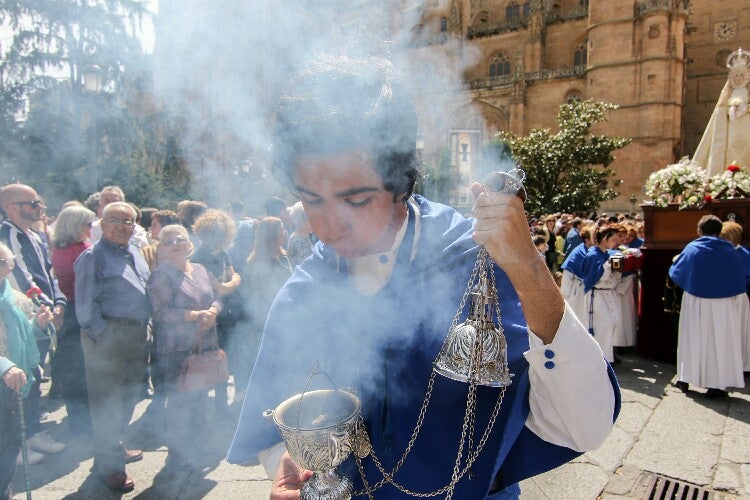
point(92, 84)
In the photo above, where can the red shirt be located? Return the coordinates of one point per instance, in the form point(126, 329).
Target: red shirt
point(62, 262)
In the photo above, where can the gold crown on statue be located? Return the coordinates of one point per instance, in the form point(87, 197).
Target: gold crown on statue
point(738, 60)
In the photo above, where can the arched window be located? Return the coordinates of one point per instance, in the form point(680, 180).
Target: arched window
point(499, 65)
point(443, 24)
point(573, 96)
point(527, 9)
point(482, 18)
point(580, 56)
point(512, 11)
point(584, 3)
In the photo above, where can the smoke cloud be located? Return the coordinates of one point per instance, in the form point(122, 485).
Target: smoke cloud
point(222, 66)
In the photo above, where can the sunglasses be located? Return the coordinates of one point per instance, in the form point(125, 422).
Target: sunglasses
point(7, 262)
point(33, 203)
point(176, 241)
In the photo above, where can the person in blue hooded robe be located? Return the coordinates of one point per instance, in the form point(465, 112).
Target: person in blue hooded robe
point(600, 285)
point(732, 232)
point(373, 304)
point(571, 286)
point(714, 314)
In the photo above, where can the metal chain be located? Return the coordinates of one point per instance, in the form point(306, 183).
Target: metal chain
point(477, 350)
point(431, 382)
point(467, 429)
point(367, 489)
point(471, 458)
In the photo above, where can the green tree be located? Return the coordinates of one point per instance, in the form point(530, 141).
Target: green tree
point(68, 142)
point(568, 171)
point(66, 36)
point(53, 134)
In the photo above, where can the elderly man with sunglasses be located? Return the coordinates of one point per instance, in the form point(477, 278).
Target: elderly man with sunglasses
point(113, 310)
point(22, 207)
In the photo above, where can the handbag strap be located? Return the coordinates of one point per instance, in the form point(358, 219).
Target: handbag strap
point(198, 339)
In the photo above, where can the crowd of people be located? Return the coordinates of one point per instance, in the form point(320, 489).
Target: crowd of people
point(115, 297)
point(604, 299)
point(128, 303)
point(712, 276)
point(361, 278)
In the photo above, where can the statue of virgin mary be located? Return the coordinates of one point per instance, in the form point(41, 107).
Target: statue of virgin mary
point(726, 140)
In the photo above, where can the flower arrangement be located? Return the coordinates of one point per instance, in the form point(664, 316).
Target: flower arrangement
point(734, 182)
point(682, 182)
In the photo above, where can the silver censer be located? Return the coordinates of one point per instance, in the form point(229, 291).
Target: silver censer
point(475, 351)
point(320, 428)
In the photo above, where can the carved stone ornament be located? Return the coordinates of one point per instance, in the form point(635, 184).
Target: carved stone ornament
point(725, 31)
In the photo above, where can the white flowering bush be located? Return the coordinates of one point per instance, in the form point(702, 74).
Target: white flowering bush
point(682, 182)
point(734, 182)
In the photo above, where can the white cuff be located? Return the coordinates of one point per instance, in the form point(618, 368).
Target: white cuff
point(270, 459)
point(571, 396)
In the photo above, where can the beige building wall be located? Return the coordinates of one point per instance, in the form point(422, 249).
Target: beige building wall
point(714, 29)
point(656, 59)
point(661, 61)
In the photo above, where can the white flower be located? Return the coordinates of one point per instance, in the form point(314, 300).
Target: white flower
point(682, 180)
point(724, 185)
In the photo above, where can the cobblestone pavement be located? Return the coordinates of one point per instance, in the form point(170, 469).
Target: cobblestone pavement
point(685, 437)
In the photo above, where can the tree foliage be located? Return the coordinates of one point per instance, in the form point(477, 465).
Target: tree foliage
point(568, 171)
point(67, 142)
point(66, 36)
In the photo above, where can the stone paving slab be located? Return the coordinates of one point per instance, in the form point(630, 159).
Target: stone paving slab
point(687, 437)
point(682, 440)
point(633, 417)
point(610, 455)
point(660, 429)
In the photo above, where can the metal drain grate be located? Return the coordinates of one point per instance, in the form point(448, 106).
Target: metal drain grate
point(657, 487)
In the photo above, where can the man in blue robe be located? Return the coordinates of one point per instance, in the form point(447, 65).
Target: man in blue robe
point(603, 307)
point(373, 305)
point(714, 314)
point(573, 238)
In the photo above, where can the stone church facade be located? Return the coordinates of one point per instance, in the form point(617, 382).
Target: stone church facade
point(661, 61)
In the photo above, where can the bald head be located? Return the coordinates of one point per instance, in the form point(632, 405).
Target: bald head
point(21, 204)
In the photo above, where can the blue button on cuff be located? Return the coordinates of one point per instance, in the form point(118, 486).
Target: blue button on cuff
point(549, 353)
point(549, 365)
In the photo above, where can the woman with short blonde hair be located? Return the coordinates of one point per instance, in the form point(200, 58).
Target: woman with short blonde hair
point(69, 240)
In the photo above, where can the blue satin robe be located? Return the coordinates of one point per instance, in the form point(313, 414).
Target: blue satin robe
point(384, 346)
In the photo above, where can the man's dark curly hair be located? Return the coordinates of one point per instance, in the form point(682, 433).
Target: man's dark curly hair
point(340, 104)
point(709, 225)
